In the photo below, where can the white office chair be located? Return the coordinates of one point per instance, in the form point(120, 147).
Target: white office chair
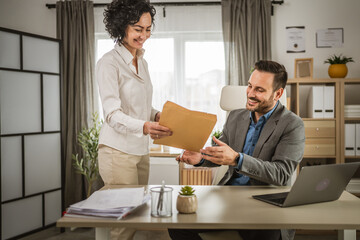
point(234, 97)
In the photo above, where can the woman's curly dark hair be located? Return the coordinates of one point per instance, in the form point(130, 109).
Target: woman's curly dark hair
point(121, 13)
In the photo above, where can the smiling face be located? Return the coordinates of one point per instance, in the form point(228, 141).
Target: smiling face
point(261, 96)
point(137, 34)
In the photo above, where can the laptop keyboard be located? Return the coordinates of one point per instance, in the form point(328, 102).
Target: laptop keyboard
point(282, 195)
point(278, 200)
point(275, 197)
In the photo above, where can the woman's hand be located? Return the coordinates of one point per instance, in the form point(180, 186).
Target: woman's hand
point(157, 116)
point(155, 130)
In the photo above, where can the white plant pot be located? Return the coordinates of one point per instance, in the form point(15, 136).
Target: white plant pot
point(186, 204)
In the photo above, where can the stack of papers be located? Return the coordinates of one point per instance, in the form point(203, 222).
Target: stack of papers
point(111, 203)
point(352, 111)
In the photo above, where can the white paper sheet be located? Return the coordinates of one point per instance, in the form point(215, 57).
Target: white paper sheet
point(113, 198)
point(119, 213)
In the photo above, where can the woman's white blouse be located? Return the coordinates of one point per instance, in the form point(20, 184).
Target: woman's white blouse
point(126, 100)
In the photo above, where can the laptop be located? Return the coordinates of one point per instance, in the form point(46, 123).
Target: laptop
point(320, 183)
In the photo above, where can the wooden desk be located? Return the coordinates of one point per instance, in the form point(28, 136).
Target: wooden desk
point(232, 207)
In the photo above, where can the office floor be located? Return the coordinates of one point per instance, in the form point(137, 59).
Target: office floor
point(54, 233)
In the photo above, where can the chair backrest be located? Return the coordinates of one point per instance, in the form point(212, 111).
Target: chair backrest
point(234, 97)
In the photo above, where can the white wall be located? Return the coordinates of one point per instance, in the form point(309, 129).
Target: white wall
point(32, 16)
point(314, 15)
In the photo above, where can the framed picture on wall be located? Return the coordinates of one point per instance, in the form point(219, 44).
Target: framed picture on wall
point(330, 38)
point(303, 68)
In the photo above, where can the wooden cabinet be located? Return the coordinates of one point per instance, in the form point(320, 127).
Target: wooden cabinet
point(325, 137)
point(319, 129)
point(320, 147)
point(320, 138)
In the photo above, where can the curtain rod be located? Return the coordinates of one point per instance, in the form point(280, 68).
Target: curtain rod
point(49, 6)
point(280, 2)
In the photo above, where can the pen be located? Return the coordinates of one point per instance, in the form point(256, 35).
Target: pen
point(160, 200)
point(182, 153)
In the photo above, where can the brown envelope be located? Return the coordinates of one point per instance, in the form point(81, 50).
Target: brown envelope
point(190, 129)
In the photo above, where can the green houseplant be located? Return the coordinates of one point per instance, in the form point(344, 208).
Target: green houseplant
point(216, 134)
point(338, 68)
point(187, 191)
point(186, 201)
point(88, 139)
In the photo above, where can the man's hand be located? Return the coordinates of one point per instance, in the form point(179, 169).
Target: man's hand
point(189, 157)
point(155, 130)
point(221, 154)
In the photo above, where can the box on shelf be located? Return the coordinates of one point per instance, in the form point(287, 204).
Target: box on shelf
point(352, 111)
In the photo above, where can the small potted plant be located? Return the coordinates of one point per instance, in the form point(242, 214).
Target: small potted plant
point(338, 68)
point(186, 201)
point(216, 134)
point(88, 139)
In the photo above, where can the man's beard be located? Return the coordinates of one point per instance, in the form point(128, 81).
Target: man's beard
point(262, 107)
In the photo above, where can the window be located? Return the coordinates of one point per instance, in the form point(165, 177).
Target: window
point(159, 54)
point(185, 68)
point(204, 77)
point(188, 69)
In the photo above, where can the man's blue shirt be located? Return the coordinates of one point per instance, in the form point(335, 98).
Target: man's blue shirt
point(252, 138)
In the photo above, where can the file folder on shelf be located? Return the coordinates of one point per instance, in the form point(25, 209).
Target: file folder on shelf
point(321, 102)
point(349, 139)
point(316, 102)
point(357, 139)
point(329, 92)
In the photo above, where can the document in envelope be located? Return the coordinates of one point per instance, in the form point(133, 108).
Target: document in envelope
point(190, 129)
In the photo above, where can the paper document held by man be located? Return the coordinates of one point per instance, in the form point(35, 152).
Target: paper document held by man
point(190, 128)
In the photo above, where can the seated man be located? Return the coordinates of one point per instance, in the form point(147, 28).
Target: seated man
point(262, 144)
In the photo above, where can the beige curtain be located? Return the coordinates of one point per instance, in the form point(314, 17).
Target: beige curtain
point(247, 37)
point(75, 27)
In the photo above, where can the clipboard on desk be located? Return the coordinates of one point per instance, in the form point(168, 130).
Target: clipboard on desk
point(190, 128)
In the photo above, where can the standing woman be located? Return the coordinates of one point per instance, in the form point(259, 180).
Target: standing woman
point(126, 95)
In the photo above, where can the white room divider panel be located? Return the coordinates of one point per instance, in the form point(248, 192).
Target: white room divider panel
point(46, 52)
point(20, 102)
point(51, 93)
point(21, 216)
point(42, 155)
point(9, 49)
point(30, 128)
point(11, 168)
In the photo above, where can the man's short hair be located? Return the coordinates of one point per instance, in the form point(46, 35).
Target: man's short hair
point(279, 71)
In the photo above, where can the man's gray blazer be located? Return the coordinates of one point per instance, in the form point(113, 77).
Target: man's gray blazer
point(277, 153)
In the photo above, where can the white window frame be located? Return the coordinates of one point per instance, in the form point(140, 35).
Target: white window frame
point(180, 39)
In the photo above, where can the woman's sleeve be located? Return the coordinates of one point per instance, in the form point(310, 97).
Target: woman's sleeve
point(107, 77)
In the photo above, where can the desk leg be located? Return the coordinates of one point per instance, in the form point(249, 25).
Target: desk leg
point(347, 234)
point(102, 233)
